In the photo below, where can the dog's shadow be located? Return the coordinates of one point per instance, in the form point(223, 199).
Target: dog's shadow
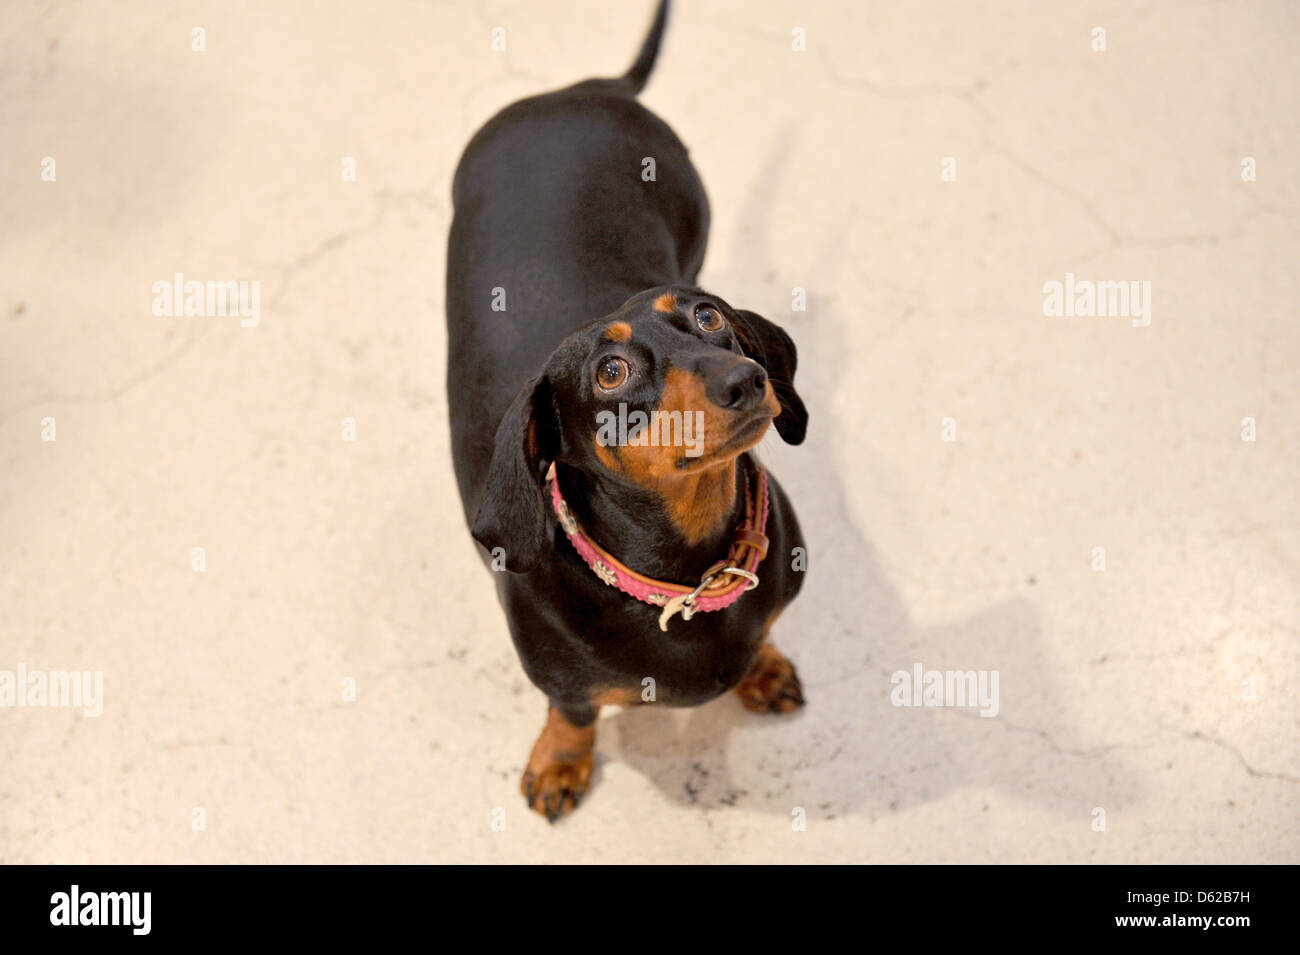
point(850, 750)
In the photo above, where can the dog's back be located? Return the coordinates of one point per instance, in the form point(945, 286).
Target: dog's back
point(554, 226)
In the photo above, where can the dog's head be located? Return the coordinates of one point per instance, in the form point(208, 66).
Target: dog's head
point(675, 381)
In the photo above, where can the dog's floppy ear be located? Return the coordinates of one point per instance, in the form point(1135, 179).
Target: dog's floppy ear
point(768, 344)
point(512, 514)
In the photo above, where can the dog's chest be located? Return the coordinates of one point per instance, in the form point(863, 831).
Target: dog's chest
point(691, 662)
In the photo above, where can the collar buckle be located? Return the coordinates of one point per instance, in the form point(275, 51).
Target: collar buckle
point(742, 572)
point(685, 603)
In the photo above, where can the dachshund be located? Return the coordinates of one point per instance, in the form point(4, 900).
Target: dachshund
point(604, 411)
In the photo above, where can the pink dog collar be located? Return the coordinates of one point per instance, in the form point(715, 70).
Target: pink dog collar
point(719, 587)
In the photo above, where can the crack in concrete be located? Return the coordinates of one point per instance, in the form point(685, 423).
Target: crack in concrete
point(1162, 657)
point(388, 201)
point(111, 394)
point(1094, 752)
point(1118, 238)
point(965, 94)
point(1224, 744)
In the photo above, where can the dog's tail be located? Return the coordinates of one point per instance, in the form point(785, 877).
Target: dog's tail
point(636, 77)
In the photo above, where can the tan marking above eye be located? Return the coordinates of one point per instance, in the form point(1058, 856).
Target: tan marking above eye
point(666, 303)
point(618, 332)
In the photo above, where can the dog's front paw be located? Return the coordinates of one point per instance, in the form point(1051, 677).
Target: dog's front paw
point(555, 789)
point(771, 685)
point(559, 768)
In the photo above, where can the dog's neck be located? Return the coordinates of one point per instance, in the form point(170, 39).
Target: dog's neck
point(674, 531)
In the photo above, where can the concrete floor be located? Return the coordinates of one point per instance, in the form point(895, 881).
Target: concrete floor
point(1125, 689)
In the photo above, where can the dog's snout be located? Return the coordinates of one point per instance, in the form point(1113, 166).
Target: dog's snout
point(741, 386)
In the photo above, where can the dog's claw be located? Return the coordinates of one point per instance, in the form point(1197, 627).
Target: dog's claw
point(555, 789)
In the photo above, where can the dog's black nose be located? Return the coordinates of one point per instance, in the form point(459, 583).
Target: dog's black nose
point(741, 386)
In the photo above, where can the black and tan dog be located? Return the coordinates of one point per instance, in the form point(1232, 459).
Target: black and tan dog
point(640, 562)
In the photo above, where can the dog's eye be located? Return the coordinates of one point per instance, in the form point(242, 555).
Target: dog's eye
point(708, 318)
point(611, 373)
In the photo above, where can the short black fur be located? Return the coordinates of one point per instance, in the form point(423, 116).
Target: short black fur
point(555, 236)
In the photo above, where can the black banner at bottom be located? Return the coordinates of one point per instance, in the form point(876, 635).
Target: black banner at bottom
point(90, 904)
